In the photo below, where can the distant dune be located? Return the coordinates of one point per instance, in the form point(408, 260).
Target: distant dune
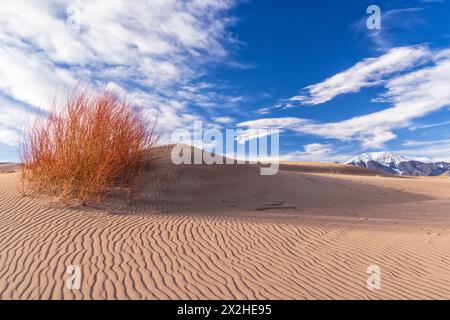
point(226, 232)
point(9, 167)
point(324, 167)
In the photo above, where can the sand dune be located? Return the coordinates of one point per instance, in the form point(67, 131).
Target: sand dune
point(216, 232)
point(8, 167)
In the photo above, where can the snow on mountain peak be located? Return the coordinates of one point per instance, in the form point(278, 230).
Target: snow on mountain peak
point(384, 158)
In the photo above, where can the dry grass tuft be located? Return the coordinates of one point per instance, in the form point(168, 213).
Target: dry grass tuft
point(91, 142)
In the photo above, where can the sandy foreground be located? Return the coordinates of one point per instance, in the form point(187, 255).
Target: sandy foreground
point(225, 232)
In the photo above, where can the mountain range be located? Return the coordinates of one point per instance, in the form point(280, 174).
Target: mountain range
point(387, 162)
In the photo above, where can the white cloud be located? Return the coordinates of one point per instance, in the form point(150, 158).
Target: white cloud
point(416, 143)
point(366, 73)
point(160, 47)
point(316, 152)
point(317, 148)
point(272, 122)
point(30, 78)
point(426, 126)
point(9, 137)
point(311, 152)
point(223, 120)
point(249, 134)
point(12, 117)
point(438, 150)
point(263, 111)
point(261, 127)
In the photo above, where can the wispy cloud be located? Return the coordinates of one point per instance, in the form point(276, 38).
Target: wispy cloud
point(259, 128)
point(426, 126)
point(223, 120)
point(396, 23)
point(12, 117)
point(438, 150)
point(311, 152)
point(321, 152)
point(416, 143)
point(366, 73)
point(431, 1)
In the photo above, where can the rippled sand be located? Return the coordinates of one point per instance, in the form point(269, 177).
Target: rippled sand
point(225, 232)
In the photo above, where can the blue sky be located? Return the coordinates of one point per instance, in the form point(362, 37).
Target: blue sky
point(311, 68)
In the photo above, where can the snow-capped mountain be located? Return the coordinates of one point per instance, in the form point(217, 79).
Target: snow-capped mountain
point(385, 158)
point(392, 163)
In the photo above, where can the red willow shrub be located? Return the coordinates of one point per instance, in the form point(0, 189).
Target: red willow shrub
point(93, 141)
